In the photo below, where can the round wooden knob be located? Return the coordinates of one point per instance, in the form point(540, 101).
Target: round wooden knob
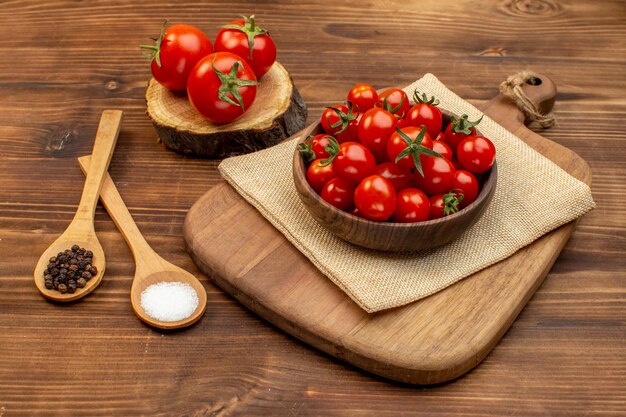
point(277, 113)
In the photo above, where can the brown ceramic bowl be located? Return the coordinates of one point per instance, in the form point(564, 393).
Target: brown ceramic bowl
point(389, 236)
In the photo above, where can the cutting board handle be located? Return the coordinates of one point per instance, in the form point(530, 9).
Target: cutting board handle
point(540, 89)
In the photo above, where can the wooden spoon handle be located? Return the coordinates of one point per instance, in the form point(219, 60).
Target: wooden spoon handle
point(106, 138)
point(112, 200)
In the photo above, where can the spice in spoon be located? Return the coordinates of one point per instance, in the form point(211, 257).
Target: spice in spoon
point(169, 301)
point(69, 270)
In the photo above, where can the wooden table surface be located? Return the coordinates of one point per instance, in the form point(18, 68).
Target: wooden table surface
point(64, 62)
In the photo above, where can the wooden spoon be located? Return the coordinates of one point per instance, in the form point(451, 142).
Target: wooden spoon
point(81, 230)
point(150, 268)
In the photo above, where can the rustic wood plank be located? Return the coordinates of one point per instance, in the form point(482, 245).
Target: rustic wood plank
point(65, 61)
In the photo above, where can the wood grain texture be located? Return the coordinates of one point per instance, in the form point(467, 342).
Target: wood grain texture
point(429, 341)
point(388, 236)
point(66, 61)
point(277, 113)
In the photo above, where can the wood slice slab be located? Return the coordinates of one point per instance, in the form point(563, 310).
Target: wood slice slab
point(277, 113)
point(429, 341)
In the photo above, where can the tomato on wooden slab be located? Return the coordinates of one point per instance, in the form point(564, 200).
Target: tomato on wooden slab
point(221, 87)
point(339, 193)
point(315, 147)
point(175, 52)
point(476, 154)
point(412, 205)
point(250, 41)
point(395, 101)
point(425, 112)
point(318, 174)
point(375, 127)
point(399, 177)
point(458, 129)
point(351, 160)
point(442, 205)
point(408, 146)
point(375, 198)
point(465, 184)
point(363, 97)
point(342, 122)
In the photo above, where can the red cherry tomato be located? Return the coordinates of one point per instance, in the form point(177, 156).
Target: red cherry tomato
point(395, 101)
point(363, 97)
point(375, 198)
point(476, 154)
point(251, 42)
point(351, 134)
point(442, 149)
point(399, 177)
point(412, 205)
point(411, 158)
point(339, 193)
point(425, 112)
point(315, 147)
point(340, 121)
point(177, 51)
point(440, 136)
point(458, 129)
point(443, 205)
point(464, 182)
point(351, 160)
point(375, 128)
point(221, 87)
point(317, 175)
point(438, 175)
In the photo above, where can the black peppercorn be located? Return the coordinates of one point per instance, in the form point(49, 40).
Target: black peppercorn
point(69, 270)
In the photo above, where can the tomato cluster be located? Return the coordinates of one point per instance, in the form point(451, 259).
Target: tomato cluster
point(220, 78)
point(384, 158)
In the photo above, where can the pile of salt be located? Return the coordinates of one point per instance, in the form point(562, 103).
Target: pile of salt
point(169, 301)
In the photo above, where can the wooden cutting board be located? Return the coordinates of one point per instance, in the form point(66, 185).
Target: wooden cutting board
point(426, 342)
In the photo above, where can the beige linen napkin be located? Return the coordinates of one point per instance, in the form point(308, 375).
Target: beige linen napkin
point(528, 203)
